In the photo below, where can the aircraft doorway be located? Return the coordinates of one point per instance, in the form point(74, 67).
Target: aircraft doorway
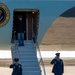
point(30, 20)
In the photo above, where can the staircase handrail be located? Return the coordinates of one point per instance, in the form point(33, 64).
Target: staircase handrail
point(41, 60)
point(15, 46)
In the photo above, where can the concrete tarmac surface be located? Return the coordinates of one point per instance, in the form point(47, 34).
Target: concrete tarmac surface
point(69, 70)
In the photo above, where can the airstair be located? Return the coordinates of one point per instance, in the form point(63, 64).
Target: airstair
point(27, 55)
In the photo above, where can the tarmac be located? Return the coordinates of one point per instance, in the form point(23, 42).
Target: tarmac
point(68, 70)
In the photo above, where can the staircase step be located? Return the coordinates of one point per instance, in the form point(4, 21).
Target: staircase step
point(27, 53)
point(27, 50)
point(24, 56)
point(28, 57)
point(32, 73)
point(28, 60)
point(28, 41)
point(31, 68)
point(30, 64)
point(27, 44)
point(31, 44)
point(31, 60)
point(26, 47)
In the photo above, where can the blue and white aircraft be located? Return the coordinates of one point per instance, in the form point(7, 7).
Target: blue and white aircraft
point(38, 16)
point(44, 13)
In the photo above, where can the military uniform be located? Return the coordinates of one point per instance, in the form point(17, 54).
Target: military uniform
point(17, 69)
point(58, 66)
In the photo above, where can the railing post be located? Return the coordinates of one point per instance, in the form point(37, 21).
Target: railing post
point(41, 60)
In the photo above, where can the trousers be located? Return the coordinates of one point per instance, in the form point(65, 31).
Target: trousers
point(21, 39)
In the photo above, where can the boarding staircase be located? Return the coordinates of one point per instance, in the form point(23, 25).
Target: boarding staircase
point(27, 55)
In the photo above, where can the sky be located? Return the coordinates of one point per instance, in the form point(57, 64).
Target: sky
point(45, 54)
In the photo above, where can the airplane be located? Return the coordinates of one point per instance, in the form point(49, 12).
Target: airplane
point(46, 13)
point(38, 16)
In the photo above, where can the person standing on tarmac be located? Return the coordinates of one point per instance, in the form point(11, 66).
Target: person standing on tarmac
point(58, 66)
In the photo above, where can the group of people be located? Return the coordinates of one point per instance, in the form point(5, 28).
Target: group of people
point(58, 66)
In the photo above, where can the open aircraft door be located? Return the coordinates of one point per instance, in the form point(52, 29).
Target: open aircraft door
point(30, 22)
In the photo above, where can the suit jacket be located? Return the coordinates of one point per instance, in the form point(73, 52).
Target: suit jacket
point(17, 69)
point(19, 26)
point(58, 66)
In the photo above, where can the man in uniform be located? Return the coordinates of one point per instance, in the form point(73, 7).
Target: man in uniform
point(17, 68)
point(58, 66)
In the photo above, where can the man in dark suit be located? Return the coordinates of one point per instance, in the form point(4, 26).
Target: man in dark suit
point(58, 66)
point(17, 68)
point(20, 29)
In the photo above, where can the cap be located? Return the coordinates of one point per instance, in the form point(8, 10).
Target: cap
point(16, 59)
point(57, 54)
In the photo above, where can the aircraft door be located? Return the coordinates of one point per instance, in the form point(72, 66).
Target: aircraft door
point(30, 23)
point(29, 26)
